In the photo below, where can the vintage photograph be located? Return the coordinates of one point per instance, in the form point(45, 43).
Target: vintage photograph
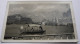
point(39, 21)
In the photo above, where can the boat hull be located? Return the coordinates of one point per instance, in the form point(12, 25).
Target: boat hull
point(34, 32)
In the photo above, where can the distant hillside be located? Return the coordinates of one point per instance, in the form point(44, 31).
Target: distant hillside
point(18, 19)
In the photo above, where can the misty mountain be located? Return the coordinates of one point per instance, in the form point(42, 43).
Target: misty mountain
point(18, 19)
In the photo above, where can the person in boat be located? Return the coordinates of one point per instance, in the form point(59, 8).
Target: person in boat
point(21, 28)
point(27, 27)
point(40, 27)
point(32, 29)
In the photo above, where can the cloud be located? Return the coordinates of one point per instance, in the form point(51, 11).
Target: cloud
point(38, 12)
point(43, 7)
point(48, 8)
point(17, 9)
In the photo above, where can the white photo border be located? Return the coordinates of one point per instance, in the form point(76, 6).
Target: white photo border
point(73, 18)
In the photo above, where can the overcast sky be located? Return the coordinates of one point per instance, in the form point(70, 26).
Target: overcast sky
point(39, 11)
